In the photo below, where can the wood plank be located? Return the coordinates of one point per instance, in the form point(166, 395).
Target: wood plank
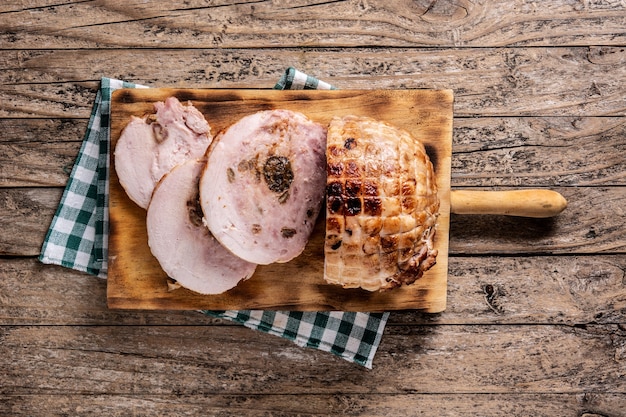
point(498, 151)
point(42, 131)
point(39, 152)
point(34, 293)
point(538, 151)
point(578, 229)
point(481, 290)
point(517, 81)
point(232, 360)
point(257, 405)
point(537, 289)
point(253, 24)
point(25, 214)
point(136, 279)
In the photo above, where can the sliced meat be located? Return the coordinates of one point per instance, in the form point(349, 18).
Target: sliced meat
point(152, 145)
point(381, 206)
point(181, 242)
point(263, 186)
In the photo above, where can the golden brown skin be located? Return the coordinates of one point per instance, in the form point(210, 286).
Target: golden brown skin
point(381, 205)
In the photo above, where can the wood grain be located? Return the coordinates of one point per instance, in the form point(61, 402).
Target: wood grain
point(530, 151)
point(578, 229)
point(535, 203)
point(187, 360)
point(517, 81)
point(135, 278)
point(39, 152)
point(481, 290)
point(254, 24)
point(375, 404)
point(24, 218)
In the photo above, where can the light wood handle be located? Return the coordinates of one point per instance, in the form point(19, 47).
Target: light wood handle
point(525, 203)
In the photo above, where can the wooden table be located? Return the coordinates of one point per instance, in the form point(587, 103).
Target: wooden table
point(536, 315)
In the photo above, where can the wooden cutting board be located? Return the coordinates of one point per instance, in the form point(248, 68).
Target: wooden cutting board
point(135, 279)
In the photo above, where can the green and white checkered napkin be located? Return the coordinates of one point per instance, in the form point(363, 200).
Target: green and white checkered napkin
point(78, 239)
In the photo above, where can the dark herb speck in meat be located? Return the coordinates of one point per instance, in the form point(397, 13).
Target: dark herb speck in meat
point(278, 173)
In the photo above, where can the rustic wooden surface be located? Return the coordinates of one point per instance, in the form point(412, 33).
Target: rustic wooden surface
point(536, 317)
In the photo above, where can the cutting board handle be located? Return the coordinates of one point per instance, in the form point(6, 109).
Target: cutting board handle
point(525, 203)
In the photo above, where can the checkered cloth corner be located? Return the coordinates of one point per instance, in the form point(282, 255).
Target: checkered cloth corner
point(351, 336)
point(78, 235)
point(293, 79)
point(78, 239)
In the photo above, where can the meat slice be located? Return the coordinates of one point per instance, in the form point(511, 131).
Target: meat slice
point(381, 206)
point(180, 241)
point(150, 146)
point(263, 186)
